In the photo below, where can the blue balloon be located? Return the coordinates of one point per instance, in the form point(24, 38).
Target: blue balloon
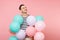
point(14, 27)
point(18, 18)
point(13, 38)
point(39, 18)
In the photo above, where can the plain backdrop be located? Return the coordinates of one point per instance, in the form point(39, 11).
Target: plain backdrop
point(49, 9)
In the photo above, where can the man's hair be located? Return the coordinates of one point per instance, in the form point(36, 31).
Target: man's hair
point(21, 6)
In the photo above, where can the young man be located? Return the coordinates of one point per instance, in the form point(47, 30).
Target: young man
point(24, 14)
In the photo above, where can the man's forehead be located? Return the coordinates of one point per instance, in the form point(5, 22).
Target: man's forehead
point(23, 6)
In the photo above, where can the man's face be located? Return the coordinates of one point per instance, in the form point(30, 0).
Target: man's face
point(24, 9)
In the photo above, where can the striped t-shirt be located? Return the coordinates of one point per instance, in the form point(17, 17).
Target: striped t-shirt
point(24, 25)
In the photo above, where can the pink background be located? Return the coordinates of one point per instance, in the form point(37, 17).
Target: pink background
point(50, 9)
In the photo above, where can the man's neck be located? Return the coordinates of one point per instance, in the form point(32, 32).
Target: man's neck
point(24, 14)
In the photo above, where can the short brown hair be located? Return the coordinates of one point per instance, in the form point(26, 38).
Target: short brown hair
point(21, 6)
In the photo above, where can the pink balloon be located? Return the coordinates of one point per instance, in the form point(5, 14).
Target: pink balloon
point(39, 36)
point(39, 26)
point(30, 31)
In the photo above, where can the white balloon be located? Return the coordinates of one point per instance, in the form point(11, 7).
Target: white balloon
point(39, 36)
point(40, 25)
point(21, 34)
point(31, 20)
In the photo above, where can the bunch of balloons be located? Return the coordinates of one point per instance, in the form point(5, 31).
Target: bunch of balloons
point(39, 25)
point(15, 28)
point(36, 25)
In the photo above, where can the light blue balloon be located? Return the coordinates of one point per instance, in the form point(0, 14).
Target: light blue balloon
point(39, 18)
point(14, 27)
point(13, 38)
point(18, 18)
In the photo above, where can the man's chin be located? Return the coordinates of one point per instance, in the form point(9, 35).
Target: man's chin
point(25, 12)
